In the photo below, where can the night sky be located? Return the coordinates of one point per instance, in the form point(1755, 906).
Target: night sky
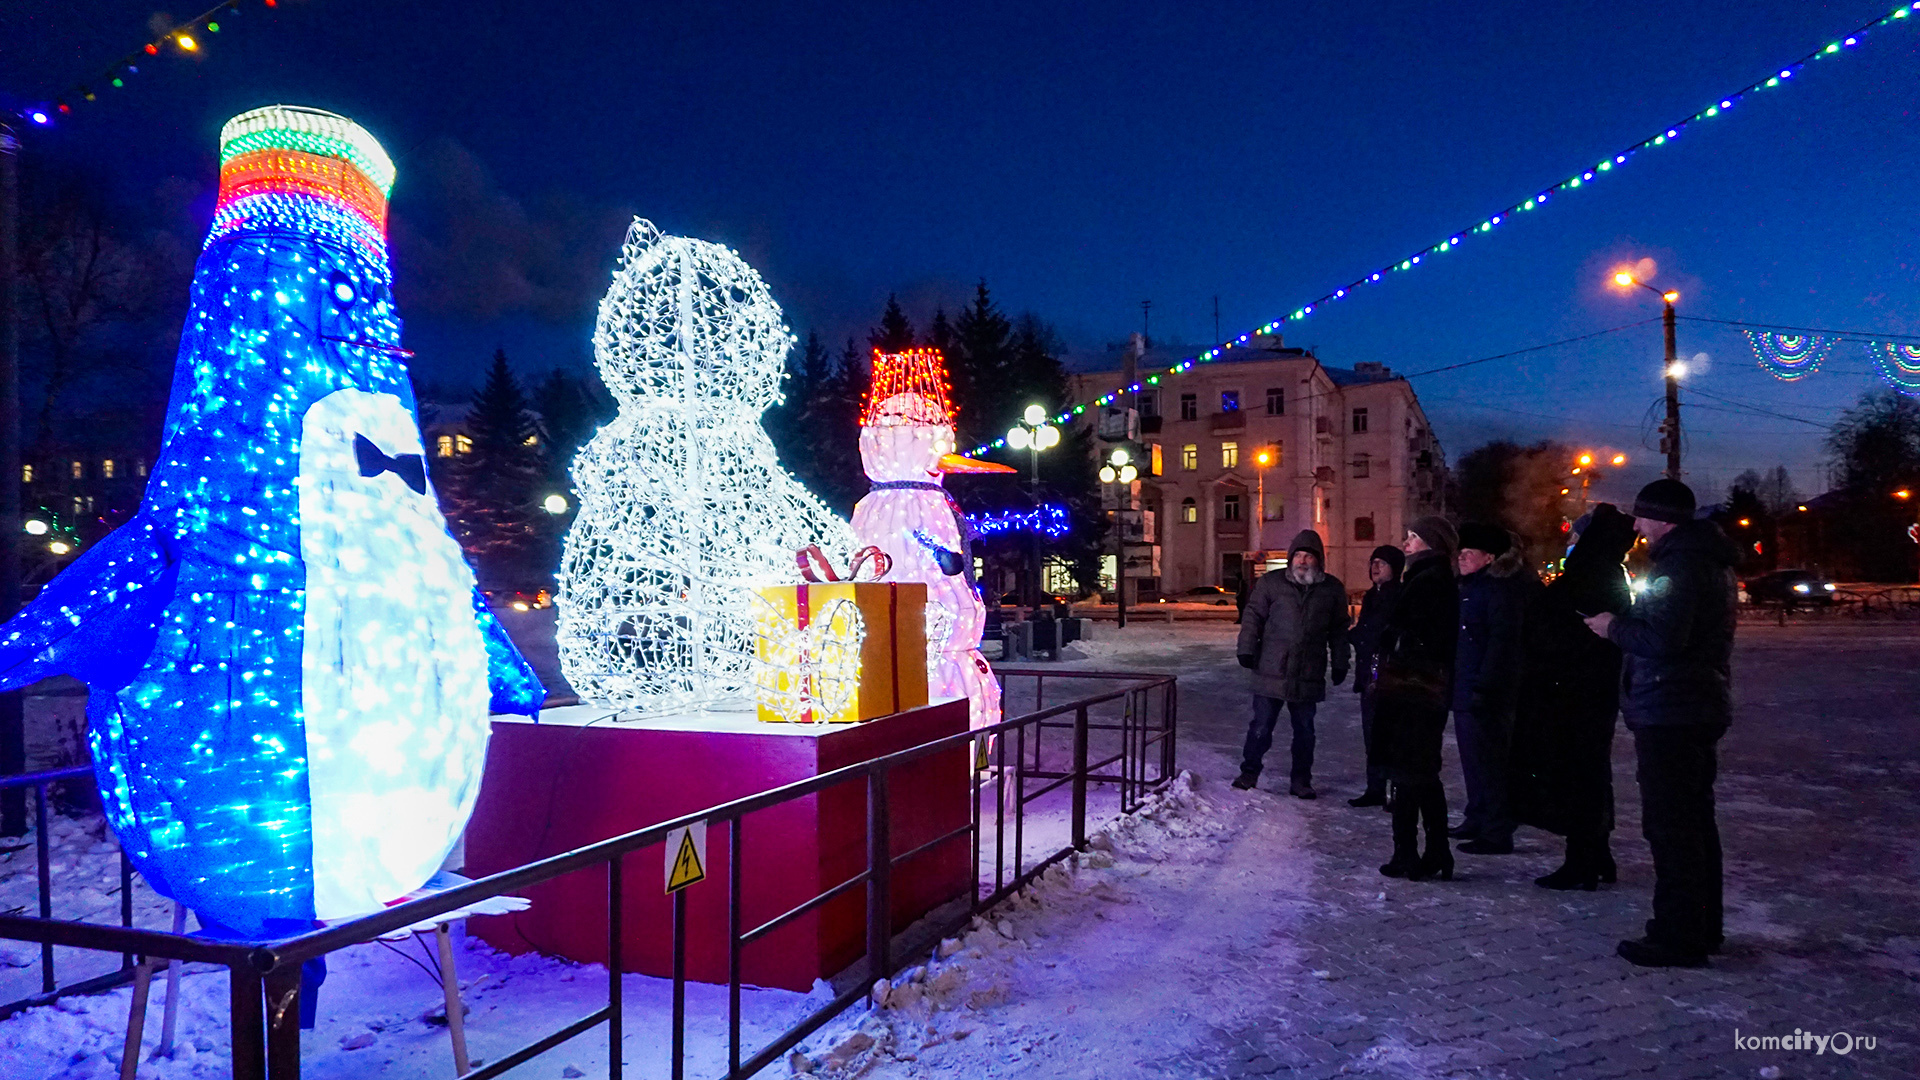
point(1084, 157)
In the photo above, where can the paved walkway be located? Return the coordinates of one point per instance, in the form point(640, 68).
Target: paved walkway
point(1489, 976)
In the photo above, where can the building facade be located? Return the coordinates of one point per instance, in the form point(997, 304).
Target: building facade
point(1238, 455)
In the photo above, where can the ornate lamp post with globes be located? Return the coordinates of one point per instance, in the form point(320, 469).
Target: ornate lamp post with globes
point(1119, 470)
point(1034, 434)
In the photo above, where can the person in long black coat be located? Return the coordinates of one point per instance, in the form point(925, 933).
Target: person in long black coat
point(1383, 570)
point(1563, 734)
point(1415, 663)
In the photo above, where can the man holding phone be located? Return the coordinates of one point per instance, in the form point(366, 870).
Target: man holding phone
point(1676, 696)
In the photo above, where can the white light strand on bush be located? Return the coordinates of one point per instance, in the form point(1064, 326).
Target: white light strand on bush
point(1606, 165)
point(683, 505)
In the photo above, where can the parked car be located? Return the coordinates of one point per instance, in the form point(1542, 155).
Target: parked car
point(1791, 588)
point(1201, 594)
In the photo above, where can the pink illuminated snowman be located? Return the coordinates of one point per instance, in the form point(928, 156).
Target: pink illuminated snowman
point(906, 446)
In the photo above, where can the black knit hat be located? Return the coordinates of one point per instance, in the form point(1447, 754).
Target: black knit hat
point(1480, 536)
point(1664, 500)
point(1392, 556)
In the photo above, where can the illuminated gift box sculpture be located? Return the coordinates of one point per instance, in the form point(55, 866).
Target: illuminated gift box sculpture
point(683, 504)
point(906, 447)
point(289, 667)
point(839, 652)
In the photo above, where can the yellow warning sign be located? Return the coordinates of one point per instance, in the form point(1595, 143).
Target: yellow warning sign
point(686, 856)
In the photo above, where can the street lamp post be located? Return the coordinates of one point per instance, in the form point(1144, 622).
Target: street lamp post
point(1671, 441)
point(1583, 467)
point(1119, 470)
point(1263, 459)
point(1034, 434)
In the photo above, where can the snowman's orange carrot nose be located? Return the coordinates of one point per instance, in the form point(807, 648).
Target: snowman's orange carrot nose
point(954, 463)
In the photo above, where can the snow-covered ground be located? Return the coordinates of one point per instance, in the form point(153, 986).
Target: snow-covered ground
point(381, 1010)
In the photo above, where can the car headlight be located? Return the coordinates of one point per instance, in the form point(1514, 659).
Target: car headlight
point(1802, 588)
point(1831, 587)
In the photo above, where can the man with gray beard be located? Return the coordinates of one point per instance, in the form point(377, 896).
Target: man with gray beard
point(1294, 622)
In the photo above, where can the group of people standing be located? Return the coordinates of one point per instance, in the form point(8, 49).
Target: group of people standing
point(1534, 675)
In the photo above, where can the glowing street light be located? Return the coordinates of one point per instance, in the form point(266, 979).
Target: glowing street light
point(555, 504)
point(1034, 434)
point(36, 527)
point(59, 547)
point(1670, 429)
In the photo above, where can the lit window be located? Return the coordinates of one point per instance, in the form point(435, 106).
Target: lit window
point(1229, 401)
point(1190, 457)
point(106, 469)
point(139, 466)
point(462, 444)
point(1189, 511)
point(1359, 421)
point(1363, 528)
point(1229, 455)
point(26, 474)
point(1276, 401)
point(79, 506)
point(1362, 466)
point(1230, 508)
point(79, 470)
point(1189, 407)
point(532, 440)
point(443, 446)
point(1154, 450)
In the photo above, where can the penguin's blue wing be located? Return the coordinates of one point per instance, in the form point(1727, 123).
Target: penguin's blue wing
point(97, 619)
point(515, 686)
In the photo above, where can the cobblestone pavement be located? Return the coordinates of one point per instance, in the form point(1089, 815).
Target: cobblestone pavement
point(1489, 976)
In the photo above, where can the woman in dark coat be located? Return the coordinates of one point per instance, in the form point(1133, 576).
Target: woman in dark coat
point(1562, 766)
point(1415, 661)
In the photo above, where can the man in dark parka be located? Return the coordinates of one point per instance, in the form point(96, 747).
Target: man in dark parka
point(1383, 570)
point(1496, 585)
point(1294, 622)
point(1676, 695)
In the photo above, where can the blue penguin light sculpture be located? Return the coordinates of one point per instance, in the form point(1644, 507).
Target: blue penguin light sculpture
point(289, 666)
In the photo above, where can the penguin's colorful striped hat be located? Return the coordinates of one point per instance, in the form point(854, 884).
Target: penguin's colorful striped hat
point(280, 150)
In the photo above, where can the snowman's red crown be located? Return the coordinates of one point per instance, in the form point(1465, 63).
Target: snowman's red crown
point(909, 387)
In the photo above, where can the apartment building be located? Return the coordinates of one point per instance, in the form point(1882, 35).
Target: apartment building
point(1241, 453)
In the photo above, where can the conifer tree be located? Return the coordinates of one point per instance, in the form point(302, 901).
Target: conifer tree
point(895, 332)
point(491, 494)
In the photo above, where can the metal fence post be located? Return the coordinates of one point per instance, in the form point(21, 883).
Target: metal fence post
point(616, 960)
point(879, 877)
point(43, 854)
point(283, 1023)
point(1080, 778)
point(244, 1016)
point(680, 985)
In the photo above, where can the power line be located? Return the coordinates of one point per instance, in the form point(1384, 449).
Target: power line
point(1857, 335)
point(1753, 408)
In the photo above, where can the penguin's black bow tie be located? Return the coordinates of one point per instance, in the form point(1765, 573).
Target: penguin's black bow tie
point(410, 468)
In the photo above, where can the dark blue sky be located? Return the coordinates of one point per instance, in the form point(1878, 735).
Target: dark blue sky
point(1083, 157)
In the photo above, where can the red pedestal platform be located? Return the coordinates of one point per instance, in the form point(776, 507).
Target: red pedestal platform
point(583, 774)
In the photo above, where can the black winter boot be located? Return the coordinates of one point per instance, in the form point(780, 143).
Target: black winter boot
point(1406, 839)
point(1438, 860)
point(1581, 869)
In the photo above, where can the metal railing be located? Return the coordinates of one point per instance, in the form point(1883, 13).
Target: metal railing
point(1138, 747)
point(50, 988)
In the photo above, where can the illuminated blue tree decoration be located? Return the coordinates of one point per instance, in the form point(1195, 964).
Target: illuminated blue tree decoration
point(289, 668)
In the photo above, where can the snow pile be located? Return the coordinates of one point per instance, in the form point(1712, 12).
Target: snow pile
point(949, 1013)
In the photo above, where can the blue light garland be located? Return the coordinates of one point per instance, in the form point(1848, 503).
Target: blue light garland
point(1047, 519)
point(1487, 224)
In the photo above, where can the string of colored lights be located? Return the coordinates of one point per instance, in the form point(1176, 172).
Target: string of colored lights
point(1047, 519)
point(1788, 357)
point(185, 37)
point(1783, 75)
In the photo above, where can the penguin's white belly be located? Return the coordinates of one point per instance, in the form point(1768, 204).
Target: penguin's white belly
point(393, 669)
